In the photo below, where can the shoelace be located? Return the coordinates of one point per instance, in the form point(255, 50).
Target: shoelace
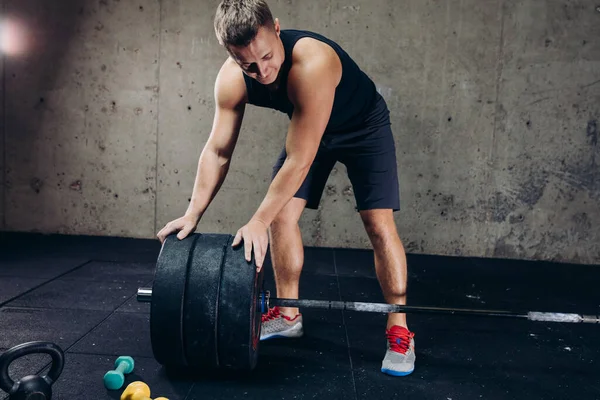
point(399, 339)
point(270, 315)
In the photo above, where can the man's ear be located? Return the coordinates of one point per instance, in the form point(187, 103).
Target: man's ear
point(277, 27)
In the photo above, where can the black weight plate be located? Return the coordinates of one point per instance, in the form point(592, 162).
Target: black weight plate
point(168, 294)
point(202, 299)
point(238, 322)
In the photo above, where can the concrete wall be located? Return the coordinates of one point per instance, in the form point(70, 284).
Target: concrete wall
point(495, 107)
point(2, 129)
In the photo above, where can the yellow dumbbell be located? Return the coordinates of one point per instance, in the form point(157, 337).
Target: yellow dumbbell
point(138, 391)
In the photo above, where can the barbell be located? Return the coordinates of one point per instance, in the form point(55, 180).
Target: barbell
point(206, 303)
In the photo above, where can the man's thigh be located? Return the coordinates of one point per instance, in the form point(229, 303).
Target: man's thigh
point(372, 168)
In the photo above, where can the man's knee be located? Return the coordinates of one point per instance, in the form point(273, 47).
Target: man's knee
point(379, 224)
point(281, 226)
point(289, 216)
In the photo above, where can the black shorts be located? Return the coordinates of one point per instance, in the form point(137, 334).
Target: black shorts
point(369, 154)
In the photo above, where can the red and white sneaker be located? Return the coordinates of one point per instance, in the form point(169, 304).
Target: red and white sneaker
point(400, 356)
point(277, 325)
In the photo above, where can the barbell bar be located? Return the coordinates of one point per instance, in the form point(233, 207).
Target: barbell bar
point(144, 295)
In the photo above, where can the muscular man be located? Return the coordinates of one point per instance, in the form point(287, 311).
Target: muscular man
point(335, 114)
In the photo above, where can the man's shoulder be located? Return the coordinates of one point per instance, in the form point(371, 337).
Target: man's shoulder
point(230, 86)
point(230, 69)
point(312, 56)
point(313, 51)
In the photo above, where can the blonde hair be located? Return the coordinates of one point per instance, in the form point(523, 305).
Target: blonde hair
point(237, 21)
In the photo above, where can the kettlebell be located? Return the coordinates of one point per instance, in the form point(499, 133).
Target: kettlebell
point(31, 387)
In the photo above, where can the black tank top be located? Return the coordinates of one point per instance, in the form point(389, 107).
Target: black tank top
point(354, 96)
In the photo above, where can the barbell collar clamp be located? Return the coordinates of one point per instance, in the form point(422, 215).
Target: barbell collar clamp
point(591, 319)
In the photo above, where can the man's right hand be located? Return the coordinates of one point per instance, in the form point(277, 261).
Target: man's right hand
point(185, 225)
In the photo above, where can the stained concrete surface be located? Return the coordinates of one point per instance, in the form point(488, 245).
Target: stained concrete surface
point(494, 106)
point(81, 132)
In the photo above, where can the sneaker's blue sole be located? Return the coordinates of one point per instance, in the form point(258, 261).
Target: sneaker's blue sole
point(396, 373)
point(275, 337)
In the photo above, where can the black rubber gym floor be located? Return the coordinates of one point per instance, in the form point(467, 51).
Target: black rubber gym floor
point(79, 292)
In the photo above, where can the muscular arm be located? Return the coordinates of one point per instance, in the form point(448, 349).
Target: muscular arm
point(312, 79)
point(230, 100)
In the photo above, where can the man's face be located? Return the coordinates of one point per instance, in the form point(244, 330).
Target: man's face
point(263, 57)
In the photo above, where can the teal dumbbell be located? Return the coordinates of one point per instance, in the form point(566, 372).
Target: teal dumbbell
point(114, 379)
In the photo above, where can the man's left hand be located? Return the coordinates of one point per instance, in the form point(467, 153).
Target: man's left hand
point(254, 234)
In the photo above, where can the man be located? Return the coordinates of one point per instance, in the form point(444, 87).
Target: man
point(335, 115)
